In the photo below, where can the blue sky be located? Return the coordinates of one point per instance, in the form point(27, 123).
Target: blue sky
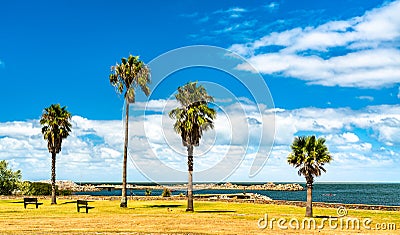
point(332, 69)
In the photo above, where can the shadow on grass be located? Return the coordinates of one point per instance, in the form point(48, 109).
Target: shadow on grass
point(215, 211)
point(325, 217)
point(71, 202)
point(20, 202)
point(164, 206)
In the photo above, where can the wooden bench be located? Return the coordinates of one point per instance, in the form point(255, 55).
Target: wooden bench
point(31, 200)
point(83, 204)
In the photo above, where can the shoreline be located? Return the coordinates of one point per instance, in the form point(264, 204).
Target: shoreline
point(234, 200)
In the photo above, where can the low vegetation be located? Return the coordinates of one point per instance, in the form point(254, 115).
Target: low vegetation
point(166, 192)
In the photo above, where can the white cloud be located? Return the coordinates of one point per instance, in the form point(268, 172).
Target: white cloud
point(23, 143)
point(383, 120)
point(369, 98)
point(366, 69)
point(350, 137)
point(380, 24)
point(234, 9)
point(272, 6)
point(233, 13)
point(19, 128)
point(342, 139)
point(372, 58)
point(155, 105)
point(93, 151)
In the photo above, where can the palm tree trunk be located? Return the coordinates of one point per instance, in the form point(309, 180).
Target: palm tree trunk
point(124, 199)
point(53, 178)
point(190, 178)
point(309, 211)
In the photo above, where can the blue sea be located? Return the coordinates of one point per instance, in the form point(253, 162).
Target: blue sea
point(349, 193)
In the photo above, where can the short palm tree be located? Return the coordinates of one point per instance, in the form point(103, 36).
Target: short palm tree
point(56, 126)
point(309, 154)
point(125, 77)
point(192, 118)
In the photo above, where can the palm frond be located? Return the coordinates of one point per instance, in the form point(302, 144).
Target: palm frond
point(309, 154)
point(194, 116)
point(56, 126)
point(128, 75)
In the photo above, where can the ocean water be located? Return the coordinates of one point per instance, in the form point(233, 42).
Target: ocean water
point(350, 193)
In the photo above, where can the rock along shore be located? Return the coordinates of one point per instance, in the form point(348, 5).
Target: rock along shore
point(74, 187)
point(268, 186)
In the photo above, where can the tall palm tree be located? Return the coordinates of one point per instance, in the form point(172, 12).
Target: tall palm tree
point(125, 77)
point(309, 154)
point(192, 118)
point(56, 126)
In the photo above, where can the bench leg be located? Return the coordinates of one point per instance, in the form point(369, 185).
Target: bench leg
point(24, 205)
point(87, 210)
point(37, 205)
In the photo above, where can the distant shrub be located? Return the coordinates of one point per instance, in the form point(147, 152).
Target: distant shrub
point(24, 188)
point(181, 195)
point(40, 189)
point(64, 192)
point(166, 192)
point(147, 192)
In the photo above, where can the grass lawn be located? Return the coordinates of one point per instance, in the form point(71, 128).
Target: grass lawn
point(166, 217)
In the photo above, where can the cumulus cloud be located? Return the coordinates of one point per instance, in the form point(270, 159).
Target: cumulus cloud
point(359, 138)
point(350, 137)
point(382, 120)
point(369, 56)
point(155, 105)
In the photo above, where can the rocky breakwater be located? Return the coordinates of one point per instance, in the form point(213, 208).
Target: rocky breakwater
point(283, 187)
point(72, 186)
point(268, 186)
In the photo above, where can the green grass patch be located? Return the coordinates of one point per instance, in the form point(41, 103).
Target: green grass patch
point(168, 216)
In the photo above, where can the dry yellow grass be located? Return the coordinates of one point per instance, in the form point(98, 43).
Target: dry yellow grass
point(169, 217)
